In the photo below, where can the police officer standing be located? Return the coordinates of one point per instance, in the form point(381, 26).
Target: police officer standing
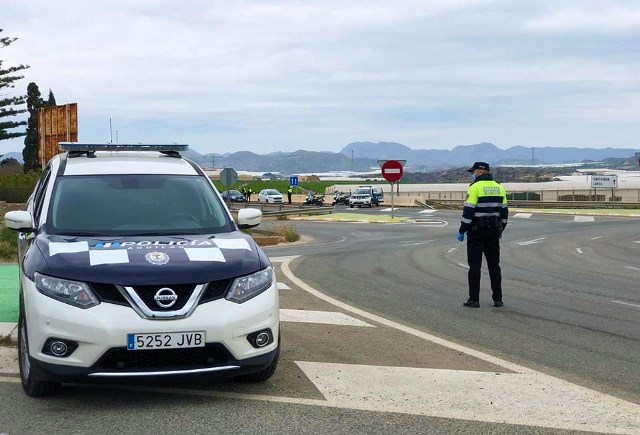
point(484, 218)
point(289, 192)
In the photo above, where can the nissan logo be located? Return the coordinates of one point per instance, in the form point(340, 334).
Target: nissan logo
point(165, 297)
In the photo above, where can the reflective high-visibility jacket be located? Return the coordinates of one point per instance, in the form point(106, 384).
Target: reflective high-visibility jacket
point(486, 198)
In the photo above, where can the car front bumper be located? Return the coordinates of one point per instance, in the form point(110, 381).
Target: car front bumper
point(102, 330)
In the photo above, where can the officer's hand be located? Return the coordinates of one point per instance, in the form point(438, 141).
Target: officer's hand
point(460, 237)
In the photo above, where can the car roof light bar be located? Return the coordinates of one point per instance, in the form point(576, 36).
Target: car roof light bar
point(75, 147)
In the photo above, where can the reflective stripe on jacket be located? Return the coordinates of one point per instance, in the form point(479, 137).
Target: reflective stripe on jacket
point(485, 198)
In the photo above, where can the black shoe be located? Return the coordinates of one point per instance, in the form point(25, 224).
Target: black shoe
point(497, 303)
point(471, 303)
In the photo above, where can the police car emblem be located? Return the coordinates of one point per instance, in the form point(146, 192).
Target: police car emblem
point(165, 297)
point(157, 258)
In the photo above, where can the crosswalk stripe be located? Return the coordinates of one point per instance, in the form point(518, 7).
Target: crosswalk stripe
point(523, 215)
point(513, 398)
point(578, 218)
point(324, 317)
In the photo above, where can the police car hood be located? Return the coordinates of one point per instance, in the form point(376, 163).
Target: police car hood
point(150, 260)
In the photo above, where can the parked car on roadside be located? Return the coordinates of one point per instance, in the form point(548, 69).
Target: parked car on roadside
point(132, 269)
point(270, 196)
point(233, 196)
point(366, 196)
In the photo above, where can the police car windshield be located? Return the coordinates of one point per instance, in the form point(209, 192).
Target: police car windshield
point(362, 192)
point(135, 205)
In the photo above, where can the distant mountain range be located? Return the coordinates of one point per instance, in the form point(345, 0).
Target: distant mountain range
point(463, 155)
point(362, 156)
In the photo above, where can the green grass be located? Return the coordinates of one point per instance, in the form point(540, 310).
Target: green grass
point(8, 293)
point(8, 244)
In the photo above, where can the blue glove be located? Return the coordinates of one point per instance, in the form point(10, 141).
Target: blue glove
point(460, 237)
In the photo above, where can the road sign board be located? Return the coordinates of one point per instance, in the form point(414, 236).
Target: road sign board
point(293, 181)
point(392, 170)
point(609, 181)
point(228, 177)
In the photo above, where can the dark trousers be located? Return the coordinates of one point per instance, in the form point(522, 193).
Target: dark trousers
point(490, 247)
point(289, 197)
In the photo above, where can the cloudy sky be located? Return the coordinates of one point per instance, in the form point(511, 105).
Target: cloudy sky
point(266, 76)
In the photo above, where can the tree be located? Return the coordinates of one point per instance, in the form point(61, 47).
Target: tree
point(9, 106)
point(52, 100)
point(30, 151)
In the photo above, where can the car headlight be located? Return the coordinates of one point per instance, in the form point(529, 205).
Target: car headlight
point(73, 293)
point(246, 287)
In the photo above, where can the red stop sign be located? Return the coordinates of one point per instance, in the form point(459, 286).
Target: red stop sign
point(392, 171)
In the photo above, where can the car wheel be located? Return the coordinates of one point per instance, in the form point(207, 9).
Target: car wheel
point(350, 205)
point(263, 374)
point(32, 383)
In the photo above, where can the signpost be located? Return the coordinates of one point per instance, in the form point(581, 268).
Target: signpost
point(392, 171)
point(604, 181)
point(228, 177)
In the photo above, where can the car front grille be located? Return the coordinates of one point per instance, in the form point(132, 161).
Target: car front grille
point(158, 359)
point(109, 293)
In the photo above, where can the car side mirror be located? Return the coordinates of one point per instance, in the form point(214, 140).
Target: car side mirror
point(249, 218)
point(19, 220)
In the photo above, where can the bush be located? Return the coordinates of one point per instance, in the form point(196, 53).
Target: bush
point(8, 244)
point(18, 187)
point(289, 233)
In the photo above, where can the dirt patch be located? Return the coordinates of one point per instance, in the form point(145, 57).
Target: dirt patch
point(10, 206)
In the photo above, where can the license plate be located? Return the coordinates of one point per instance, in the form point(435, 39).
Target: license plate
point(166, 340)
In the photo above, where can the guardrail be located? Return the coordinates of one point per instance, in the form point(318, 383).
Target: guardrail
point(458, 203)
point(281, 210)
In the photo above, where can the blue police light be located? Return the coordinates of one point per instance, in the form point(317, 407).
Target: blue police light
point(92, 147)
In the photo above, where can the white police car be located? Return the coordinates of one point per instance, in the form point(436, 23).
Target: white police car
point(132, 268)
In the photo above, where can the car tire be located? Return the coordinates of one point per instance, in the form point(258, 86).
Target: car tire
point(263, 374)
point(32, 383)
point(350, 205)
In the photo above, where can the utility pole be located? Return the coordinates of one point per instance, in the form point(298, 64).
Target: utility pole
point(110, 132)
point(533, 155)
point(351, 160)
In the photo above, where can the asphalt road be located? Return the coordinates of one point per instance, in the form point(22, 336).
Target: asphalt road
point(571, 292)
point(407, 357)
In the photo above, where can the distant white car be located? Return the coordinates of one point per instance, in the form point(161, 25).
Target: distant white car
point(270, 196)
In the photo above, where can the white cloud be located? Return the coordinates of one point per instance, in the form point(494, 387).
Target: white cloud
point(244, 74)
point(601, 20)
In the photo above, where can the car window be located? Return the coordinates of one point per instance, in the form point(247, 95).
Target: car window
point(135, 204)
point(39, 194)
point(362, 192)
point(272, 192)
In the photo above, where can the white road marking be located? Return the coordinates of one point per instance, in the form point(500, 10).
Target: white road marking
point(579, 250)
point(324, 317)
point(451, 250)
point(523, 215)
point(284, 258)
point(626, 303)
point(636, 241)
point(471, 395)
point(596, 237)
point(283, 286)
point(428, 211)
point(463, 265)
point(531, 242)
point(603, 400)
point(415, 243)
point(433, 223)
point(583, 218)
point(632, 268)
point(390, 209)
